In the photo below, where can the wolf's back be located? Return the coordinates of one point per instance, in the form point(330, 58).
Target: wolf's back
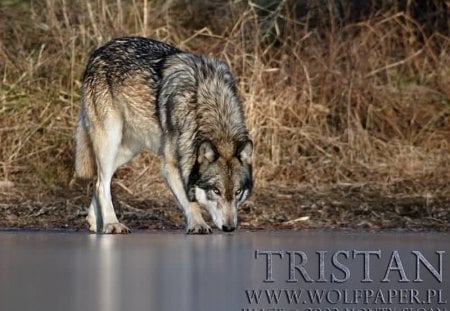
point(123, 57)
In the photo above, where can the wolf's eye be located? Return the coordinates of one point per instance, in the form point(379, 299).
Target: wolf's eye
point(238, 192)
point(216, 191)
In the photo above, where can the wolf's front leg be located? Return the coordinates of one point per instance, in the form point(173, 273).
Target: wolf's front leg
point(195, 224)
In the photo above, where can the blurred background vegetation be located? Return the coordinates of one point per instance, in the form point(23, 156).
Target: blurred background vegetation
point(340, 96)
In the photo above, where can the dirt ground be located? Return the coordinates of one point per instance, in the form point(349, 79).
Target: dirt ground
point(268, 208)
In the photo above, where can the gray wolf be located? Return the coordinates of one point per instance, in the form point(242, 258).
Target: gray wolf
point(141, 93)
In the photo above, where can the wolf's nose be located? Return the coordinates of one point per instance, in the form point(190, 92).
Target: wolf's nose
point(227, 228)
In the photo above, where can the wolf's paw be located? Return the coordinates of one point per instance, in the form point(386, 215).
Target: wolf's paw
point(92, 223)
point(93, 228)
point(199, 228)
point(116, 228)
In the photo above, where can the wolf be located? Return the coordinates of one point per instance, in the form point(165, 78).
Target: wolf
point(142, 93)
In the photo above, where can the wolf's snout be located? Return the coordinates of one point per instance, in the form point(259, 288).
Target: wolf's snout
point(228, 228)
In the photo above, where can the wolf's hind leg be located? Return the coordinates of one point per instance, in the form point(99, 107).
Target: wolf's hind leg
point(195, 222)
point(109, 155)
point(92, 219)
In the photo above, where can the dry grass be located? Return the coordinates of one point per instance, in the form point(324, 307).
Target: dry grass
point(332, 101)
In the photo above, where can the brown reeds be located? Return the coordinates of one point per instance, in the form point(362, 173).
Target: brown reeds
point(334, 96)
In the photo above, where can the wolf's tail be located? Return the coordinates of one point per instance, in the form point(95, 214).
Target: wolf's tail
point(84, 156)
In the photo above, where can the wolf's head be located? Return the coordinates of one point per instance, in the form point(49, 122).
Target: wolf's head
point(222, 184)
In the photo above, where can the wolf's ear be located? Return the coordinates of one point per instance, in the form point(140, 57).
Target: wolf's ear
point(245, 152)
point(206, 152)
